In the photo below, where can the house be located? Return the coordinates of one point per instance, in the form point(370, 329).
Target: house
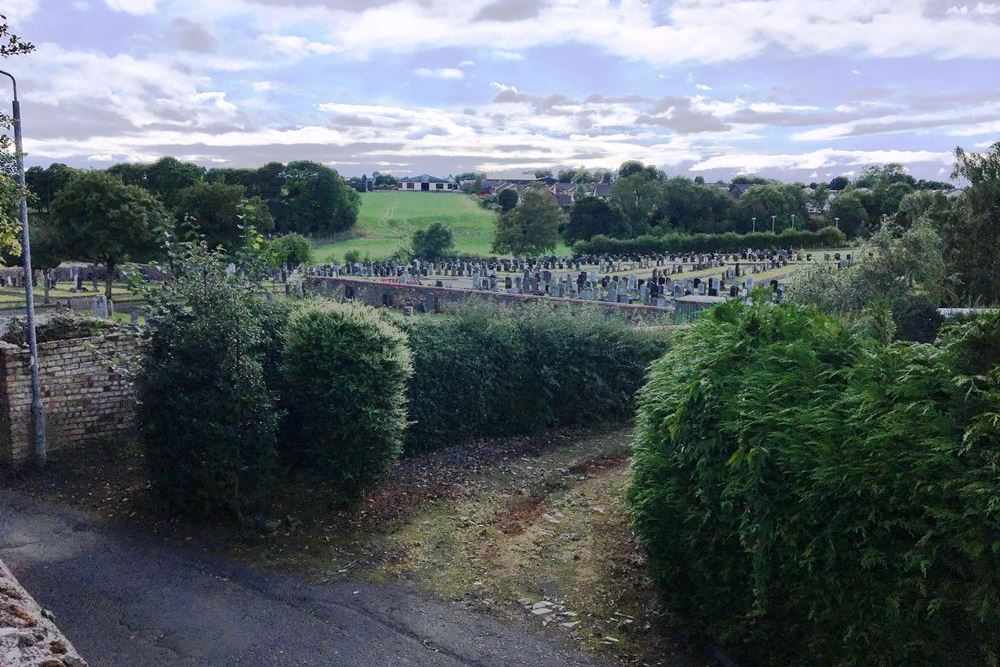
point(427, 183)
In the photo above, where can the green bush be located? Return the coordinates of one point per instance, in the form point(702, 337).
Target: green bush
point(491, 371)
point(345, 372)
point(206, 417)
point(806, 496)
point(671, 242)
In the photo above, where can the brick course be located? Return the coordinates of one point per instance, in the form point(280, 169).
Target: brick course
point(85, 399)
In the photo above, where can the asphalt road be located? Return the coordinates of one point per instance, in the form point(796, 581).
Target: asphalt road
point(127, 600)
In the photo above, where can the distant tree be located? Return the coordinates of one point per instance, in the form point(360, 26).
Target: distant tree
point(100, 219)
point(629, 168)
point(919, 204)
point(772, 199)
point(255, 213)
point(507, 199)
point(289, 251)
point(168, 176)
point(700, 180)
point(384, 181)
point(316, 200)
point(691, 207)
point(130, 173)
point(971, 227)
point(45, 184)
point(636, 195)
point(432, 243)
point(215, 209)
point(749, 179)
point(851, 212)
point(532, 227)
point(591, 216)
point(543, 174)
point(819, 196)
point(47, 251)
point(839, 182)
point(233, 176)
point(881, 176)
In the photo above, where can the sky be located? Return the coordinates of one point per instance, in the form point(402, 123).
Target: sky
point(789, 89)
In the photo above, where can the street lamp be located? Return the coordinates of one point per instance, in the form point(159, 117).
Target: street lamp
point(754, 224)
point(773, 218)
point(836, 221)
point(37, 415)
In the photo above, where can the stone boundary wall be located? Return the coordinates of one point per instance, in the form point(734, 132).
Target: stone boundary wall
point(427, 298)
point(28, 638)
point(85, 399)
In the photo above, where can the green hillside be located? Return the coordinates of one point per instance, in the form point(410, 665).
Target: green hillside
point(388, 219)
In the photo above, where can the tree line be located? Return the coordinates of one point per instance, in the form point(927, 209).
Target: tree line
point(123, 213)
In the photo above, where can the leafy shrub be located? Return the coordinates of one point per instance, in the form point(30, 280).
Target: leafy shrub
point(809, 497)
point(432, 243)
point(289, 250)
point(727, 242)
point(345, 372)
point(206, 417)
point(61, 326)
point(491, 371)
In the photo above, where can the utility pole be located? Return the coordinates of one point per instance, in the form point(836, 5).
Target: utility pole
point(37, 413)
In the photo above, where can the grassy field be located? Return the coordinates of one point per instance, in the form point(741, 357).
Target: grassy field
point(388, 219)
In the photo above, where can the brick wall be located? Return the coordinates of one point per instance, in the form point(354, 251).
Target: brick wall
point(444, 299)
point(85, 398)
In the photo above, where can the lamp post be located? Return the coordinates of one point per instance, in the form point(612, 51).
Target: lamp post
point(836, 221)
point(37, 414)
point(773, 218)
point(754, 220)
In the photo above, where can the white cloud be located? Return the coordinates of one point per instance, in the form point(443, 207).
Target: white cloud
point(467, 63)
point(261, 86)
point(823, 158)
point(507, 56)
point(18, 10)
point(132, 6)
point(295, 46)
point(702, 86)
point(441, 73)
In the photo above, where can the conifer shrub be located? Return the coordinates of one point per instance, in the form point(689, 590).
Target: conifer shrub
point(206, 418)
point(808, 496)
point(345, 371)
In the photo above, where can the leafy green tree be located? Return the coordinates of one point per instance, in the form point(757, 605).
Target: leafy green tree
point(432, 243)
point(10, 189)
point(532, 227)
point(851, 212)
point(216, 210)
point(45, 184)
point(630, 168)
point(637, 195)
point(839, 182)
point(289, 251)
point(507, 199)
point(102, 220)
point(692, 207)
point(971, 228)
point(771, 199)
point(168, 176)
point(47, 251)
point(316, 200)
point(591, 216)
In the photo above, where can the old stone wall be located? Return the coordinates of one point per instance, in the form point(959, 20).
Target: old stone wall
point(426, 298)
point(85, 398)
point(28, 638)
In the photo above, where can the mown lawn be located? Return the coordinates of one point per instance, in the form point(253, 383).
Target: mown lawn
point(388, 219)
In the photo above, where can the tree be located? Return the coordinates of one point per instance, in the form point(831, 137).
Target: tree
point(10, 190)
point(507, 199)
point(819, 197)
point(689, 206)
point(432, 243)
point(102, 220)
point(771, 199)
point(168, 176)
point(591, 216)
point(850, 210)
point(216, 210)
point(45, 184)
point(289, 251)
point(47, 251)
point(532, 227)
point(629, 168)
point(839, 182)
point(971, 228)
point(637, 196)
point(316, 200)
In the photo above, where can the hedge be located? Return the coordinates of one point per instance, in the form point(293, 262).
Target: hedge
point(828, 237)
point(345, 373)
point(492, 371)
point(206, 417)
point(806, 496)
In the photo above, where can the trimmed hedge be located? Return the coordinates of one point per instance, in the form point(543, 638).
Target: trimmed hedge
point(806, 496)
point(206, 418)
point(492, 371)
point(828, 237)
point(345, 373)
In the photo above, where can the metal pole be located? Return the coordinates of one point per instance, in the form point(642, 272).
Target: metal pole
point(773, 218)
point(37, 413)
point(754, 225)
